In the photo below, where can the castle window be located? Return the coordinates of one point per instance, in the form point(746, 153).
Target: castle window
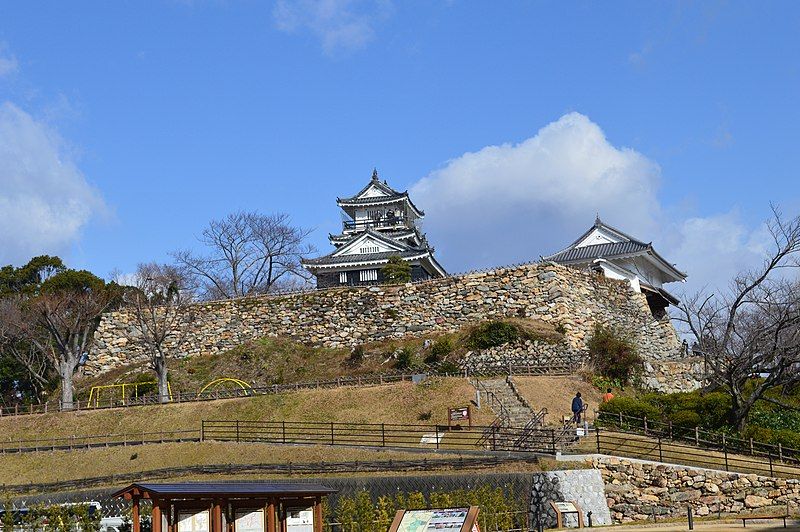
point(368, 275)
point(342, 277)
point(369, 249)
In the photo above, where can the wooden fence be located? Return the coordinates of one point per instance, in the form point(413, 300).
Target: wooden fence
point(71, 443)
point(430, 437)
point(700, 438)
point(565, 365)
point(290, 469)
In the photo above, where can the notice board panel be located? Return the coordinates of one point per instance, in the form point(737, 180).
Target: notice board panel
point(436, 519)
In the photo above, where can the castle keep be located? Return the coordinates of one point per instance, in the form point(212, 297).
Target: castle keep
point(381, 223)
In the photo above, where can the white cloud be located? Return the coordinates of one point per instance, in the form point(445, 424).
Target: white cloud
point(515, 202)
point(340, 25)
point(45, 200)
point(512, 203)
point(8, 62)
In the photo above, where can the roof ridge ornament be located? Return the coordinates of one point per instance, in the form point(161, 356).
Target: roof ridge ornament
point(375, 174)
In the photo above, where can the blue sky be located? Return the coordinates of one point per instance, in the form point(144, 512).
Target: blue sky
point(126, 126)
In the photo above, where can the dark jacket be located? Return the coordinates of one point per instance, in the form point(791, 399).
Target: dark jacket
point(577, 404)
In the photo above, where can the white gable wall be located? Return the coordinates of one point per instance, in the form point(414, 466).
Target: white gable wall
point(599, 236)
point(367, 244)
point(373, 192)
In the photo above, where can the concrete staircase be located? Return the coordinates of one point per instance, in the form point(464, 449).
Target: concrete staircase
point(519, 413)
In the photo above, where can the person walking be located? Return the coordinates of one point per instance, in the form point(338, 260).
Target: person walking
point(608, 396)
point(577, 408)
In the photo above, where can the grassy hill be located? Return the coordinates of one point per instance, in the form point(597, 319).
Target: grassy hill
point(396, 403)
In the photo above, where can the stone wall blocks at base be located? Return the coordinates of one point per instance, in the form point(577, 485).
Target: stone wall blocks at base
point(347, 316)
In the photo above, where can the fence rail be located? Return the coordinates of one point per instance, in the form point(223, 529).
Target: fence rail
point(290, 468)
point(559, 368)
point(71, 443)
point(430, 437)
point(656, 448)
point(699, 438)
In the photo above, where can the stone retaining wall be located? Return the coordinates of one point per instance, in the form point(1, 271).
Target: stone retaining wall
point(635, 490)
point(570, 299)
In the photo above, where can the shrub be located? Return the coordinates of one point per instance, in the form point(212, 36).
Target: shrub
point(424, 416)
point(716, 409)
point(145, 385)
point(492, 334)
point(405, 358)
point(449, 368)
point(357, 355)
point(685, 419)
point(629, 406)
point(396, 271)
point(614, 355)
point(439, 350)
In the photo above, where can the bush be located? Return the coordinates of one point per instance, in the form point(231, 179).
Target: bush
point(449, 368)
point(146, 385)
point(405, 358)
point(492, 334)
point(716, 409)
point(439, 350)
point(685, 419)
point(614, 355)
point(357, 355)
point(629, 406)
point(396, 271)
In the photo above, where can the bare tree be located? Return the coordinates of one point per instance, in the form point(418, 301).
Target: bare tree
point(750, 337)
point(158, 303)
point(247, 253)
point(13, 342)
point(60, 321)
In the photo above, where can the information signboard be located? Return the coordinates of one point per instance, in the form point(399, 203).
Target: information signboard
point(564, 509)
point(436, 519)
point(456, 416)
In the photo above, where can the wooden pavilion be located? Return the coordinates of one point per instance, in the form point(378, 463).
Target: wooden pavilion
point(229, 506)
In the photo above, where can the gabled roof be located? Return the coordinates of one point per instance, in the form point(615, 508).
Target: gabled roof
point(397, 235)
point(401, 249)
point(616, 249)
point(391, 196)
point(229, 489)
point(374, 182)
point(332, 260)
point(627, 246)
point(370, 233)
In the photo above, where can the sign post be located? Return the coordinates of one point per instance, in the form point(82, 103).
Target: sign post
point(566, 508)
point(436, 520)
point(457, 415)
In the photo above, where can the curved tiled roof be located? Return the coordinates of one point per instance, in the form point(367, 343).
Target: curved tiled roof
point(598, 251)
point(329, 260)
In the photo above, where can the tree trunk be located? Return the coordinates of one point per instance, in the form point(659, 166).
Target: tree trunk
point(65, 370)
point(163, 383)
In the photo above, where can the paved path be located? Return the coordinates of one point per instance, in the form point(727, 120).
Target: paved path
point(723, 526)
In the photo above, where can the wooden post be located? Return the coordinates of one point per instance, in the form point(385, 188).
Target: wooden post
point(216, 517)
point(271, 516)
point(135, 516)
point(318, 514)
point(156, 516)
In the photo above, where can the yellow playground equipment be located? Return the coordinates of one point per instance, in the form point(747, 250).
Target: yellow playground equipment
point(242, 384)
point(94, 393)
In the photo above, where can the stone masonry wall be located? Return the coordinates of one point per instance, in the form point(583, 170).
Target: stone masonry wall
point(635, 490)
point(572, 299)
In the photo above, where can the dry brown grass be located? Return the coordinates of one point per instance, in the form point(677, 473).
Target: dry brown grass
point(555, 394)
point(396, 403)
point(73, 465)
